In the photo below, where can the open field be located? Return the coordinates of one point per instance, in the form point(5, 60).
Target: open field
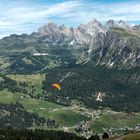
point(115, 119)
point(43, 108)
point(33, 80)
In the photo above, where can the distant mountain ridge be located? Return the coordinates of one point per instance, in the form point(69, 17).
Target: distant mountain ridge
point(114, 44)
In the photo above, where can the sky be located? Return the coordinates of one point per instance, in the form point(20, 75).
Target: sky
point(26, 16)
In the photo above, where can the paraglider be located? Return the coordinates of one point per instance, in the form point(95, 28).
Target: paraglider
point(56, 86)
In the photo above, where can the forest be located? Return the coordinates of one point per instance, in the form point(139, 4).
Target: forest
point(120, 86)
point(17, 117)
point(11, 134)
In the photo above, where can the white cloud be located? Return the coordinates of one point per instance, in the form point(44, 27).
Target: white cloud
point(21, 16)
point(27, 17)
point(4, 23)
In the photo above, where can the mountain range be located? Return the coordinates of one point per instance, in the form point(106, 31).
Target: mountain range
point(114, 44)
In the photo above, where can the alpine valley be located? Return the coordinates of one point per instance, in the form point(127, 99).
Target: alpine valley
point(97, 66)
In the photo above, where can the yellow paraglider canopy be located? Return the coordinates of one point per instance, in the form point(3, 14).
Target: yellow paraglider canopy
point(56, 86)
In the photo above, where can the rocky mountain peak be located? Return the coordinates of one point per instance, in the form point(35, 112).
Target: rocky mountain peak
point(51, 24)
point(120, 24)
point(94, 21)
point(110, 23)
point(48, 29)
point(92, 27)
point(62, 27)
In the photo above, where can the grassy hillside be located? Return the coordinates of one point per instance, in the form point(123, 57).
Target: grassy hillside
point(43, 108)
point(115, 120)
point(33, 80)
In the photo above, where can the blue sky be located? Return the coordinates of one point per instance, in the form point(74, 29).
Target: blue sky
point(26, 16)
